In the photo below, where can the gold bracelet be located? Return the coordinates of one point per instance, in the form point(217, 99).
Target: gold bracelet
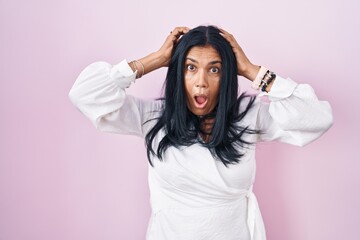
point(142, 66)
point(133, 62)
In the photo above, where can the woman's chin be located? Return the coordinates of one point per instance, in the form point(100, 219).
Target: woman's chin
point(200, 111)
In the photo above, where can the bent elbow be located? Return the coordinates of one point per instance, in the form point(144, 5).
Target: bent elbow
point(329, 122)
point(72, 96)
point(307, 136)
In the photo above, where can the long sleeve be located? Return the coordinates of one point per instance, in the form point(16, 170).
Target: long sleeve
point(294, 114)
point(99, 93)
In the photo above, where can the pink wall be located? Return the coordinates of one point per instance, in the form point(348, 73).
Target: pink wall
point(60, 179)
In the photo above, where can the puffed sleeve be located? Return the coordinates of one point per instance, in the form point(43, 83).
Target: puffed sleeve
point(99, 93)
point(294, 114)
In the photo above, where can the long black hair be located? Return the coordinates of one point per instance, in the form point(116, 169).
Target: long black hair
point(182, 127)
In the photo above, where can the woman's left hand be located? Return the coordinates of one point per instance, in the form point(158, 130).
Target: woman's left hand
point(244, 66)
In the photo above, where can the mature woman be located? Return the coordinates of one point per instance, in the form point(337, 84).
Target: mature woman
point(201, 135)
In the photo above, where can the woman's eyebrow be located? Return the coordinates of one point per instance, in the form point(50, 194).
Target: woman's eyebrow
point(214, 62)
point(193, 60)
point(210, 63)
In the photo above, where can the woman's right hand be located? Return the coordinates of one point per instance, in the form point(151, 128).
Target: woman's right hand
point(166, 50)
point(160, 58)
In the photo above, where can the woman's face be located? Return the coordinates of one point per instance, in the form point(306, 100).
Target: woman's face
point(202, 76)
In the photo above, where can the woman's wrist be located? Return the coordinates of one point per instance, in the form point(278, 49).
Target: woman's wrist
point(251, 72)
point(263, 80)
point(147, 64)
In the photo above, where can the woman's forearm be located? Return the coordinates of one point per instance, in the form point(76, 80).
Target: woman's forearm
point(150, 63)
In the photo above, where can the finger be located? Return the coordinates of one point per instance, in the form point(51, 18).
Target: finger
point(223, 31)
point(226, 34)
point(178, 31)
point(181, 28)
point(230, 38)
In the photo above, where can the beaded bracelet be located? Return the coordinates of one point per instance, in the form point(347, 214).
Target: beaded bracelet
point(266, 82)
point(259, 77)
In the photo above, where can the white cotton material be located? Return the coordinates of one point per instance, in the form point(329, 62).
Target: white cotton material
point(193, 195)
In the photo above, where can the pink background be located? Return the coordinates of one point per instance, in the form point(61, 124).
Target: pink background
point(60, 179)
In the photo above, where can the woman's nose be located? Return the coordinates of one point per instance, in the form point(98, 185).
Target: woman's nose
point(201, 80)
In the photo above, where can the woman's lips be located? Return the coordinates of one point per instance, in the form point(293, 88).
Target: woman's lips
point(200, 101)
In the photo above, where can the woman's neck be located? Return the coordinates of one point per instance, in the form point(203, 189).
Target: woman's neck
point(206, 128)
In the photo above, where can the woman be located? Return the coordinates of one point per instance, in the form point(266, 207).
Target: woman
point(200, 137)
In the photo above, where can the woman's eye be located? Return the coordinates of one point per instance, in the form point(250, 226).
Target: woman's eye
point(214, 70)
point(190, 67)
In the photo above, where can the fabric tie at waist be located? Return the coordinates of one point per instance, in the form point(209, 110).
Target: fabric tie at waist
point(254, 219)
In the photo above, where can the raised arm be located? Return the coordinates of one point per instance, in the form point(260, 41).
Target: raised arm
point(99, 91)
point(160, 58)
point(294, 114)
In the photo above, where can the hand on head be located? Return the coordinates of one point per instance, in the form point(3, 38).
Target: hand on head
point(168, 46)
point(244, 66)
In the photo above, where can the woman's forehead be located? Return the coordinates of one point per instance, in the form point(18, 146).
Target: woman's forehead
point(207, 52)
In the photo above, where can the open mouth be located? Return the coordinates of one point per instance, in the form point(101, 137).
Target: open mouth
point(200, 101)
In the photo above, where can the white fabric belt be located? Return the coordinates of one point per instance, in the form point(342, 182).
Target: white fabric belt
point(254, 219)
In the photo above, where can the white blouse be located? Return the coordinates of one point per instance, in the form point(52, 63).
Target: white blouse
point(194, 196)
